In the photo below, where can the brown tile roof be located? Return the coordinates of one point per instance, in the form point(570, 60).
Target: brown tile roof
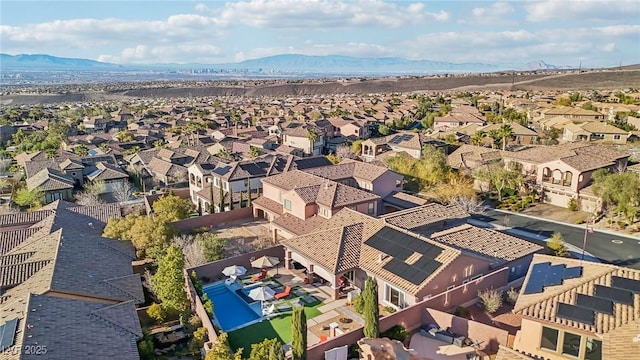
point(505, 353)
point(293, 179)
point(296, 226)
point(49, 179)
point(268, 204)
point(471, 156)
point(340, 244)
point(106, 172)
point(420, 216)
point(65, 253)
point(542, 306)
point(349, 169)
point(403, 200)
point(496, 246)
point(582, 156)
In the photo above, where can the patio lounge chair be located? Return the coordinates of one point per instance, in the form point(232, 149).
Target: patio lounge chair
point(261, 276)
point(266, 311)
point(285, 293)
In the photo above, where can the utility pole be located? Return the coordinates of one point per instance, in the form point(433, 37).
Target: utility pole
point(587, 230)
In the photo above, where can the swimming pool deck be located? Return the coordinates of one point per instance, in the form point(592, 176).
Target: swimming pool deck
point(332, 311)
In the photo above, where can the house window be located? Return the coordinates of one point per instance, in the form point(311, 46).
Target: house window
point(350, 275)
point(393, 296)
point(468, 270)
point(571, 344)
point(226, 185)
point(549, 339)
point(372, 208)
point(616, 137)
point(216, 182)
point(287, 204)
point(451, 287)
point(593, 349)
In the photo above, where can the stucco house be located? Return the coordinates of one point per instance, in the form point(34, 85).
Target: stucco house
point(574, 309)
point(296, 202)
point(408, 265)
point(565, 170)
point(594, 131)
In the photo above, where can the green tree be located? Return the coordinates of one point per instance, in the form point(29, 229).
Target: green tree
point(505, 132)
point(220, 199)
point(254, 152)
point(168, 281)
point(620, 192)
point(220, 350)
point(32, 198)
point(95, 187)
point(384, 130)
point(157, 312)
point(371, 310)
point(148, 234)
point(199, 338)
point(299, 334)
point(333, 158)
point(556, 245)
point(125, 136)
point(172, 208)
point(81, 150)
point(499, 176)
point(477, 138)
point(356, 147)
point(313, 136)
point(266, 350)
point(248, 192)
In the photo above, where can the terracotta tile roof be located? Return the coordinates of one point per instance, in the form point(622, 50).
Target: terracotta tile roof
point(471, 156)
point(340, 244)
point(293, 179)
point(268, 204)
point(582, 155)
point(350, 169)
point(417, 217)
point(496, 246)
point(515, 127)
point(505, 353)
point(543, 305)
point(13, 238)
point(403, 200)
point(296, 226)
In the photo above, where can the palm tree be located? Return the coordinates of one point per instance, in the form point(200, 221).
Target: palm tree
point(254, 152)
point(312, 136)
point(81, 150)
point(505, 132)
point(478, 137)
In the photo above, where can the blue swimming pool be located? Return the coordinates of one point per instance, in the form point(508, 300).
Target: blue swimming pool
point(230, 311)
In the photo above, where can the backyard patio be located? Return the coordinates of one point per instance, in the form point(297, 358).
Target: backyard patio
point(325, 317)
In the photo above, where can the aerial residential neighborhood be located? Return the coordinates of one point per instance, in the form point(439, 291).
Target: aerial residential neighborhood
point(450, 225)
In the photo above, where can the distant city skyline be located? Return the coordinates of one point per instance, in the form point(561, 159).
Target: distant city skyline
point(594, 33)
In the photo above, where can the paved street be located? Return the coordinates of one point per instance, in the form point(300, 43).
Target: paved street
point(608, 247)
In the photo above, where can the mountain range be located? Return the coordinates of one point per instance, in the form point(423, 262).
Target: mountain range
point(278, 64)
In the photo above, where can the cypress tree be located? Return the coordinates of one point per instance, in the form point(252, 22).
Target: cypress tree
point(299, 334)
point(241, 199)
point(248, 192)
point(371, 310)
point(276, 352)
point(221, 199)
point(211, 206)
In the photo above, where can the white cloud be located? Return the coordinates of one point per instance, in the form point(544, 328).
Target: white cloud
point(610, 47)
point(180, 53)
point(354, 49)
point(583, 11)
point(325, 14)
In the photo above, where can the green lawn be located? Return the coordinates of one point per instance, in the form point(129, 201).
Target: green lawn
point(277, 327)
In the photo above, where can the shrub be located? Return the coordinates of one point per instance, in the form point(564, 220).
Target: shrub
point(157, 312)
point(572, 205)
point(461, 312)
point(194, 321)
point(556, 246)
point(199, 338)
point(580, 221)
point(358, 304)
point(389, 309)
point(207, 304)
point(512, 296)
point(397, 332)
point(490, 300)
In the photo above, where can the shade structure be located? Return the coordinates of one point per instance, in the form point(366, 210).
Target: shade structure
point(265, 262)
point(234, 270)
point(262, 293)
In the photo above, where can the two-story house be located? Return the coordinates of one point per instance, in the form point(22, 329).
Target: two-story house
point(594, 131)
point(409, 266)
point(296, 202)
point(574, 309)
point(565, 170)
point(304, 137)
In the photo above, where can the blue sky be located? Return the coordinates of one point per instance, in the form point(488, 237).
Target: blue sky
point(560, 32)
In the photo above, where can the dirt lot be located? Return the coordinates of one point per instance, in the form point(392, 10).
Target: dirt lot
point(245, 236)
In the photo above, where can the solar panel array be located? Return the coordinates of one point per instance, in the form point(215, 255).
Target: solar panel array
point(400, 138)
point(545, 274)
point(8, 334)
point(602, 301)
point(400, 247)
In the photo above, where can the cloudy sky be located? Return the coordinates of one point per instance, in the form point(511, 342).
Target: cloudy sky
point(560, 32)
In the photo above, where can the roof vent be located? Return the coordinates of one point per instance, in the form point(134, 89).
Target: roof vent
point(381, 257)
